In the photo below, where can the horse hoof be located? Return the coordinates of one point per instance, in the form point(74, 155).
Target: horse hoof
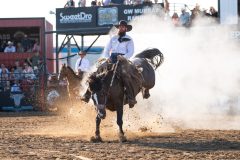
point(122, 139)
point(96, 139)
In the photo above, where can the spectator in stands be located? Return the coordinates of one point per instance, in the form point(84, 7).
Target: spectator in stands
point(136, 2)
point(184, 18)
point(70, 3)
point(128, 2)
point(12, 76)
point(16, 87)
point(93, 3)
point(16, 93)
point(117, 2)
point(10, 47)
point(82, 3)
point(28, 72)
point(106, 2)
point(147, 2)
point(213, 12)
point(20, 48)
point(4, 78)
point(196, 12)
point(35, 61)
point(36, 46)
point(82, 64)
point(175, 19)
point(26, 43)
point(99, 3)
point(18, 70)
point(166, 6)
point(3, 45)
point(3, 68)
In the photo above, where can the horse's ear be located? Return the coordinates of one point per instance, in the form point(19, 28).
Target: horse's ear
point(64, 64)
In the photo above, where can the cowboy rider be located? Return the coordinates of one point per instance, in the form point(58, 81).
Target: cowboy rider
point(120, 47)
point(82, 64)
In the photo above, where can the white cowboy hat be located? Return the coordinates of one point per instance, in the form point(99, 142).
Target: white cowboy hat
point(9, 42)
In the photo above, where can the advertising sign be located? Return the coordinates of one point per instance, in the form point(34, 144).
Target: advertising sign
point(68, 18)
point(107, 16)
point(104, 16)
point(128, 12)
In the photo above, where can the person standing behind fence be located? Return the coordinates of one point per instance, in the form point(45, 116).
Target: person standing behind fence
point(18, 70)
point(36, 46)
point(184, 18)
point(213, 12)
point(82, 3)
point(28, 72)
point(69, 4)
point(26, 43)
point(82, 64)
point(34, 61)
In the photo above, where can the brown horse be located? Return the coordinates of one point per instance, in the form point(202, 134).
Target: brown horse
point(107, 88)
point(74, 81)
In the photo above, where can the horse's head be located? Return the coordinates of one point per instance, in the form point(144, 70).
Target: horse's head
point(99, 86)
point(63, 72)
point(66, 72)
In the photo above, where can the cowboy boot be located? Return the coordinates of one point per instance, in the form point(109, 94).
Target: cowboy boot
point(130, 95)
point(86, 97)
point(128, 88)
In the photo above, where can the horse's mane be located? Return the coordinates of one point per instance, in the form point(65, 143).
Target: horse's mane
point(153, 55)
point(94, 82)
point(71, 70)
point(96, 79)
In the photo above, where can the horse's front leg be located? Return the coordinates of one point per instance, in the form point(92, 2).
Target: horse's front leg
point(97, 137)
point(122, 138)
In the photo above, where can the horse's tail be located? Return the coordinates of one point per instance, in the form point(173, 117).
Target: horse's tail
point(153, 55)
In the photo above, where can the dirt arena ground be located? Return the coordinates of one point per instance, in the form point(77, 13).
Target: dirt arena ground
point(36, 135)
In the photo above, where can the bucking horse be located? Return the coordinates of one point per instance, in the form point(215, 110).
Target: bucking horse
point(107, 88)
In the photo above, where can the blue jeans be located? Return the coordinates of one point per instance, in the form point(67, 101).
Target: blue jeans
point(113, 57)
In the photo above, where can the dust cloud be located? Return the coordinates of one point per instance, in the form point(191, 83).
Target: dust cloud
point(198, 84)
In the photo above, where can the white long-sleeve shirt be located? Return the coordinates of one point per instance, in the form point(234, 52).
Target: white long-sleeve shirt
point(114, 46)
point(85, 65)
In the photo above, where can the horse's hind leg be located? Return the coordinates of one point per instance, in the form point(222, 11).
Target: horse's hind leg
point(122, 138)
point(97, 137)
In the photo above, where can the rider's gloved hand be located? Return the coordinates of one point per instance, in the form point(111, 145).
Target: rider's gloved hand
point(101, 60)
point(120, 58)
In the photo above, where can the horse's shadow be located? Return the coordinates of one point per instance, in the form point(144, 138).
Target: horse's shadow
point(172, 142)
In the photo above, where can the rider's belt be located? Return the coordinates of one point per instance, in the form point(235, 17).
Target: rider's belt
point(113, 57)
point(118, 53)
